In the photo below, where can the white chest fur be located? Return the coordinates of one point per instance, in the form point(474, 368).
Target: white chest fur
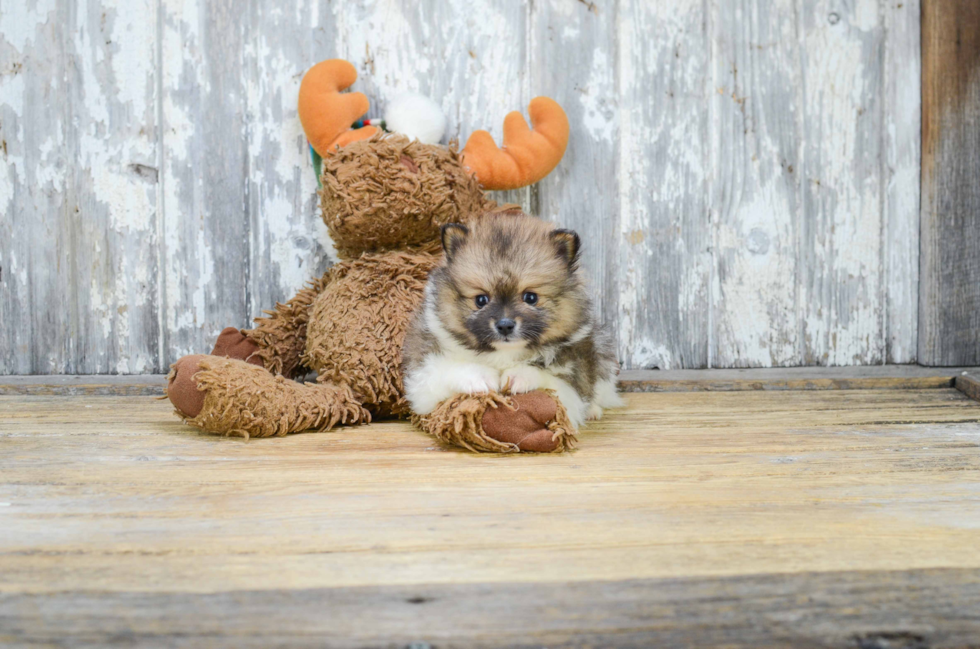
point(454, 369)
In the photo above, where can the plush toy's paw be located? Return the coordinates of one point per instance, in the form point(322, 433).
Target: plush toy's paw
point(495, 423)
point(182, 386)
point(232, 343)
point(526, 425)
point(521, 379)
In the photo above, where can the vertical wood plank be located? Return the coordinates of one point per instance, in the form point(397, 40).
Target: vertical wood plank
point(468, 56)
point(35, 243)
point(583, 192)
point(901, 139)
point(119, 239)
point(664, 235)
point(112, 208)
point(949, 281)
point(204, 172)
point(756, 136)
point(288, 240)
point(841, 262)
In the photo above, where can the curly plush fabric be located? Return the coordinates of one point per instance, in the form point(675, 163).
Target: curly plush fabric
point(390, 193)
point(246, 400)
point(459, 421)
point(383, 201)
point(357, 327)
point(281, 337)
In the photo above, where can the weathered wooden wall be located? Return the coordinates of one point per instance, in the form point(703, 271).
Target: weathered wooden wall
point(744, 172)
point(949, 316)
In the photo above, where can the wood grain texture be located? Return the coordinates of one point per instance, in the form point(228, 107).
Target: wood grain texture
point(35, 243)
point(688, 515)
point(663, 245)
point(881, 610)
point(949, 288)
point(840, 247)
point(743, 173)
point(113, 494)
point(112, 195)
point(969, 384)
point(757, 209)
point(861, 377)
point(583, 192)
point(647, 383)
point(287, 240)
point(470, 57)
point(779, 373)
point(901, 153)
point(204, 173)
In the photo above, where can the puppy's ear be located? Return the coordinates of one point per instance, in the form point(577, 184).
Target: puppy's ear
point(567, 245)
point(453, 237)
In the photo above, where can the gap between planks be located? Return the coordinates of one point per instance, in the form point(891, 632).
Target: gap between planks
point(875, 377)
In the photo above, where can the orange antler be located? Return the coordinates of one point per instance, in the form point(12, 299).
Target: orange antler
point(326, 114)
point(527, 155)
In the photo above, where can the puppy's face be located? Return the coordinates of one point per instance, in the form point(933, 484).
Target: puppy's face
point(509, 281)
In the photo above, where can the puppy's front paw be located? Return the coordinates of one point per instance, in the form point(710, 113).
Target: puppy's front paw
point(594, 413)
point(521, 379)
point(478, 380)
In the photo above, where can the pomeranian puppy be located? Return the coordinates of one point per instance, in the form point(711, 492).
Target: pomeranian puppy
point(508, 310)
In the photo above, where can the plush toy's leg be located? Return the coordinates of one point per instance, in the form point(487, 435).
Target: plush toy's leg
point(535, 421)
point(232, 397)
point(280, 339)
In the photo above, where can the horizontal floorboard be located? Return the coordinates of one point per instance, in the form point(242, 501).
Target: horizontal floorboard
point(762, 518)
point(873, 610)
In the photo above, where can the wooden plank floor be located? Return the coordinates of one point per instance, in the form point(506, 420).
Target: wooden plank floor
point(791, 518)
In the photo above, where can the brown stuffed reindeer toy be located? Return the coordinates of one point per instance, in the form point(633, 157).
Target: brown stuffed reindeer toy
point(383, 199)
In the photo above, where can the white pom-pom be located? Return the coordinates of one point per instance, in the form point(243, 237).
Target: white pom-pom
point(416, 116)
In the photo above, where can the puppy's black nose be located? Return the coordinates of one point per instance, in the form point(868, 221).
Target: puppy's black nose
point(505, 326)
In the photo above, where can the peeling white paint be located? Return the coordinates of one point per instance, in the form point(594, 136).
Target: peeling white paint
point(843, 189)
point(902, 115)
point(598, 100)
point(18, 21)
point(50, 175)
point(757, 137)
point(702, 244)
point(648, 354)
point(630, 216)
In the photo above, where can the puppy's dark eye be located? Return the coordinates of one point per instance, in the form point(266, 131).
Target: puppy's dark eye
point(530, 297)
point(482, 301)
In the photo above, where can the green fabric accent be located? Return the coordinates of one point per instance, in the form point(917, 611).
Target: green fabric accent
point(317, 164)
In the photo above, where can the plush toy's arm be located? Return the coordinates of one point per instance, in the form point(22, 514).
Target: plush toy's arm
point(494, 423)
point(231, 397)
point(281, 337)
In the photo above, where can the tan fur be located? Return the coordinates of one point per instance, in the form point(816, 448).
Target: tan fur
point(390, 193)
point(357, 327)
point(532, 264)
point(246, 400)
point(281, 337)
point(477, 265)
point(459, 422)
point(508, 310)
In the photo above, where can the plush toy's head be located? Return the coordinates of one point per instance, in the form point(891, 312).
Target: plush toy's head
point(383, 191)
point(389, 192)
